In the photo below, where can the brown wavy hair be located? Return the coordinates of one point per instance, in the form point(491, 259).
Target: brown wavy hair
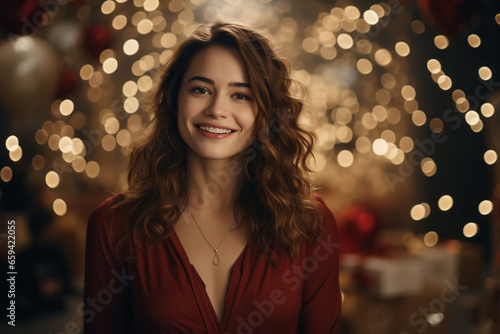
point(276, 199)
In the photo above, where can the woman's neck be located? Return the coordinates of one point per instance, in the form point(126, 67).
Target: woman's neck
point(213, 184)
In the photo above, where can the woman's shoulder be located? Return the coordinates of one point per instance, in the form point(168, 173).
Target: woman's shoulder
point(106, 217)
point(329, 232)
point(324, 210)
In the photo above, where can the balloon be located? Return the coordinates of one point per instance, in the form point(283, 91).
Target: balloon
point(448, 15)
point(29, 72)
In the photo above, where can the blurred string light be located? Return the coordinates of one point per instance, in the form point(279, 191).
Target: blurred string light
point(472, 117)
point(357, 129)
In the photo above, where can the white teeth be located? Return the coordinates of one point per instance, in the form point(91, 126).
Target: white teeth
point(214, 130)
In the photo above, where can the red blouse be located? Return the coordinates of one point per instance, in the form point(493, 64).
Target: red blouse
point(161, 292)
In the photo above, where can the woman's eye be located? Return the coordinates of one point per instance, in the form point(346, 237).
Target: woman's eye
point(240, 96)
point(200, 90)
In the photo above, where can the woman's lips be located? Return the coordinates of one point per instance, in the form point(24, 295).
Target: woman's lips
point(214, 135)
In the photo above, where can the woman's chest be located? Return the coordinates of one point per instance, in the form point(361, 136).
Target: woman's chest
point(170, 296)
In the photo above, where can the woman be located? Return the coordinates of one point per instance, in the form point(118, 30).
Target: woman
point(218, 231)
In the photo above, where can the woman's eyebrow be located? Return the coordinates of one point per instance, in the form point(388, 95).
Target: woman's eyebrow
point(210, 81)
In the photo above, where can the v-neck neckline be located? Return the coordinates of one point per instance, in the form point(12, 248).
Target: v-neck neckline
point(232, 286)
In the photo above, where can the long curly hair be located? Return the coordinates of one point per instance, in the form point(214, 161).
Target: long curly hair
point(276, 199)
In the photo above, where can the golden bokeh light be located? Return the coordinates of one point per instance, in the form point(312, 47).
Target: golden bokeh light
point(6, 174)
point(38, 162)
point(380, 113)
point(379, 146)
point(383, 57)
point(151, 5)
point(417, 26)
point(436, 125)
point(402, 49)
point(399, 158)
point(129, 88)
point(53, 142)
point(408, 93)
point(345, 158)
point(79, 164)
point(145, 26)
point(16, 154)
point(363, 144)
point(112, 125)
point(428, 167)
point(345, 41)
point(119, 22)
point(66, 107)
point(477, 127)
point(168, 40)
point(417, 212)
point(485, 207)
point(433, 65)
point(472, 117)
point(144, 83)
point(431, 239)
point(131, 105)
point(124, 138)
point(65, 144)
point(86, 72)
point(110, 65)
point(485, 73)
point(490, 157)
point(108, 143)
point(441, 42)
point(108, 7)
point(352, 13)
point(470, 229)
point(130, 47)
point(12, 143)
point(92, 169)
point(310, 45)
point(444, 82)
point(59, 207)
point(52, 179)
point(406, 144)
point(474, 40)
point(364, 66)
point(487, 110)
point(370, 17)
point(445, 202)
point(418, 117)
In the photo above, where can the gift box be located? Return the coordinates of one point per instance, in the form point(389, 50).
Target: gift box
point(382, 277)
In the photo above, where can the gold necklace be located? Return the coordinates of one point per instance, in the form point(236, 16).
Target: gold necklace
point(216, 258)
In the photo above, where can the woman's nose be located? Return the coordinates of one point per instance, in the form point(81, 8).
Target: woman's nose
point(217, 107)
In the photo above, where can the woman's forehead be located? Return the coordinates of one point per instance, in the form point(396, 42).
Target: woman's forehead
point(220, 64)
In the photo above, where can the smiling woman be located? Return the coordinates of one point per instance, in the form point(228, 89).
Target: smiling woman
point(220, 230)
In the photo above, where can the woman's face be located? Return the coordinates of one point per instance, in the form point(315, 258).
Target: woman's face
point(217, 109)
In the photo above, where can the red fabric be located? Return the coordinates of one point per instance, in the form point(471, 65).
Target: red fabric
point(161, 292)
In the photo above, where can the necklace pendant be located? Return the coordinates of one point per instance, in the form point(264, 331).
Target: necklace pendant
point(216, 258)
